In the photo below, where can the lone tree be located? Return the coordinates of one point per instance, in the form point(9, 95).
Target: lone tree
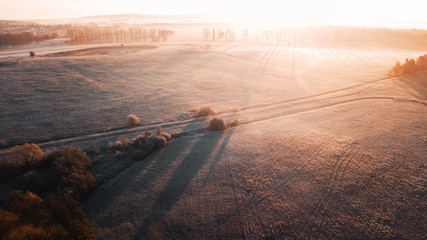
point(32, 54)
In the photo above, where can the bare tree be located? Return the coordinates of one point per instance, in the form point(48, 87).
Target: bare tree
point(206, 33)
point(213, 34)
point(245, 34)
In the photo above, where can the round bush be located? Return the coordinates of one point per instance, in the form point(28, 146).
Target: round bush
point(234, 123)
point(132, 120)
point(205, 111)
point(23, 157)
point(157, 142)
point(217, 124)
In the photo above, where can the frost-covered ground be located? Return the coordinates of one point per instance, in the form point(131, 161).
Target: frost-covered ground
point(328, 147)
point(90, 91)
point(349, 164)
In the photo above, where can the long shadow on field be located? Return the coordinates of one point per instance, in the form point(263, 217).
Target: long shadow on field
point(103, 198)
point(218, 155)
point(417, 84)
point(180, 180)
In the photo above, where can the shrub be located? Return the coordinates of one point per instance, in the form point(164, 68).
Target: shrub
point(8, 221)
point(137, 142)
point(234, 123)
point(71, 160)
point(132, 120)
point(65, 212)
point(50, 157)
point(30, 217)
point(61, 171)
point(217, 124)
point(160, 133)
point(205, 111)
point(29, 232)
point(149, 143)
point(121, 144)
point(26, 206)
point(147, 134)
point(20, 159)
point(159, 130)
point(141, 146)
point(144, 145)
point(156, 142)
point(77, 184)
point(71, 167)
point(32, 54)
point(25, 156)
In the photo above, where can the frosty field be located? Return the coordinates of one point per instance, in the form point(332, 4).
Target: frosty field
point(328, 146)
point(90, 91)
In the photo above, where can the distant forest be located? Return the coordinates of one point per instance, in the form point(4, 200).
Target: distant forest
point(10, 40)
point(327, 36)
point(309, 36)
point(88, 35)
point(91, 35)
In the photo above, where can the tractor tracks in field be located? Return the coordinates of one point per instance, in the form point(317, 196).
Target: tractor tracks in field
point(245, 115)
point(293, 173)
point(333, 187)
point(252, 191)
point(337, 175)
point(320, 96)
point(269, 111)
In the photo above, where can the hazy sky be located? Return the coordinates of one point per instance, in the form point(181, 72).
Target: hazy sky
point(283, 11)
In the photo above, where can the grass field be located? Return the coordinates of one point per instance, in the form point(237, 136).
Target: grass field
point(327, 147)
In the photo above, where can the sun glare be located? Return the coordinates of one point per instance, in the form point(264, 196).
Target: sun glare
point(285, 12)
point(310, 13)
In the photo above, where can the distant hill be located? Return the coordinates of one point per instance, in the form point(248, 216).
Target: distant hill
point(143, 19)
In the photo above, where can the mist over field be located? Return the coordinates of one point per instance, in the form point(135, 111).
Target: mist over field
point(193, 127)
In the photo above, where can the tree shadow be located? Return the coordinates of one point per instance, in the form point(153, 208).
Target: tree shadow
point(180, 180)
point(417, 84)
point(218, 155)
point(99, 200)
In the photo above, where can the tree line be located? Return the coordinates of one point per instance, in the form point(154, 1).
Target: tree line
point(409, 66)
point(215, 34)
point(93, 35)
point(10, 40)
point(323, 36)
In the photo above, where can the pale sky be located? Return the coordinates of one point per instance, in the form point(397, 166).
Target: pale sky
point(280, 11)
